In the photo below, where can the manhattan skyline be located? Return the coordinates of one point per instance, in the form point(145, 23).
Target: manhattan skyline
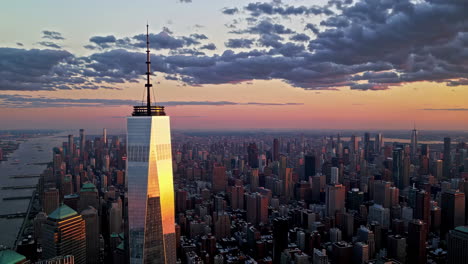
point(237, 65)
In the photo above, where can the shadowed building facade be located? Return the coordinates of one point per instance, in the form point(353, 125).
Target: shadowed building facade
point(150, 196)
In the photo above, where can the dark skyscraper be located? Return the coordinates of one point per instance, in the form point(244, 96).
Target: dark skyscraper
point(280, 237)
point(275, 149)
point(367, 150)
point(252, 152)
point(453, 211)
point(422, 209)
point(414, 143)
point(309, 167)
point(457, 245)
point(397, 170)
point(417, 235)
point(447, 158)
point(82, 142)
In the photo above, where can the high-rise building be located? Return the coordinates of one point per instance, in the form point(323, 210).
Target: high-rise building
point(367, 147)
point(397, 171)
point(11, 257)
point(275, 149)
point(382, 193)
point(104, 136)
point(378, 143)
point(90, 216)
point(309, 167)
point(342, 252)
point(151, 222)
point(396, 248)
point(89, 196)
point(414, 143)
point(320, 257)
point(64, 233)
point(422, 209)
point(280, 237)
point(219, 179)
point(457, 245)
point(70, 146)
point(360, 253)
point(50, 200)
point(417, 235)
point(453, 211)
point(335, 199)
point(447, 158)
point(252, 152)
point(82, 142)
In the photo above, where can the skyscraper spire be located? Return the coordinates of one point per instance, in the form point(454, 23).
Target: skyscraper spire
point(148, 85)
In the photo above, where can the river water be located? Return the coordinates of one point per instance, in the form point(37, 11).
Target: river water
point(28, 159)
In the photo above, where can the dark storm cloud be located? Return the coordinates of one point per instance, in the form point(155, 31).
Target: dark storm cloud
point(239, 43)
point(368, 45)
point(54, 35)
point(24, 101)
point(230, 11)
point(257, 9)
point(199, 36)
point(300, 37)
point(210, 46)
point(49, 44)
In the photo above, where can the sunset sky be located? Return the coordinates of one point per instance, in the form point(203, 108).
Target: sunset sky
point(223, 64)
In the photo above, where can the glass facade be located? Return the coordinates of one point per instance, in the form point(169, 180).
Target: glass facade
point(151, 223)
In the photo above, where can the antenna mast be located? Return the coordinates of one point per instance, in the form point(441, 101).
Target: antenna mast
point(148, 85)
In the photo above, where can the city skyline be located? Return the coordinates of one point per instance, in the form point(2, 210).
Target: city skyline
point(265, 65)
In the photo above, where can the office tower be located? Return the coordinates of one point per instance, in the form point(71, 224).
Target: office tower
point(447, 158)
point(115, 217)
point(354, 144)
point(360, 253)
point(354, 199)
point(280, 237)
point(414, 143)
point(275, 149)
point(397, 170)
point(219, 179)
point(309, 167)
point(438, 169)
point(382, 193)
point(288, 185)
point(453, 211)
point(422, 209)
point(70, 146)
point(252, 152)
point(67, 185)
point(151, 223)
point(320, 257)
point(318, 183)
point(89, 196)
point(251, 203)
point(237, 197)
point(457, 245)
point(64, 233)
point(367, 150)
point(90, 216)
point(366, 235)
point(50, 200)
point(39, 220)
point(334, 175)
point(335, 234)
point(379, 214)
point(342, 252)
point(222, 226)
point(104, 136)
point(396, 248)
point(82, 142)
point(417, 235)
point(378, 143)
point(335, 199)
point(254, 180)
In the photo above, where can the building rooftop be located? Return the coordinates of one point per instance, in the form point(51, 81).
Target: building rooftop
point(62, 212)
point(463, 229)
point(88, 187)
point(8, 256)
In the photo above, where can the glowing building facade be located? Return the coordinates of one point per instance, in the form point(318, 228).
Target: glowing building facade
point(150, 195)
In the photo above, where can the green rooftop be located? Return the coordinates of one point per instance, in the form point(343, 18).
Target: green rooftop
point(463, 229)
point(121, 246)
point(62, 212)
point(8, 256)
point(88, 187)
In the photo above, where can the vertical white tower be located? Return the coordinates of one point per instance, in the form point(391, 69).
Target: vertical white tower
point(150, 190)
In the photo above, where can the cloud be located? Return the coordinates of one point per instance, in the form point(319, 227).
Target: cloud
point(210, 46)
point(258, 9)
point(230, 11)
point(199, 36)
point(22, 101)
point(312, 28)
point(444, 109)
point(54, 35)
point(239, 43)
point(49, 44)
point(300, 37)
